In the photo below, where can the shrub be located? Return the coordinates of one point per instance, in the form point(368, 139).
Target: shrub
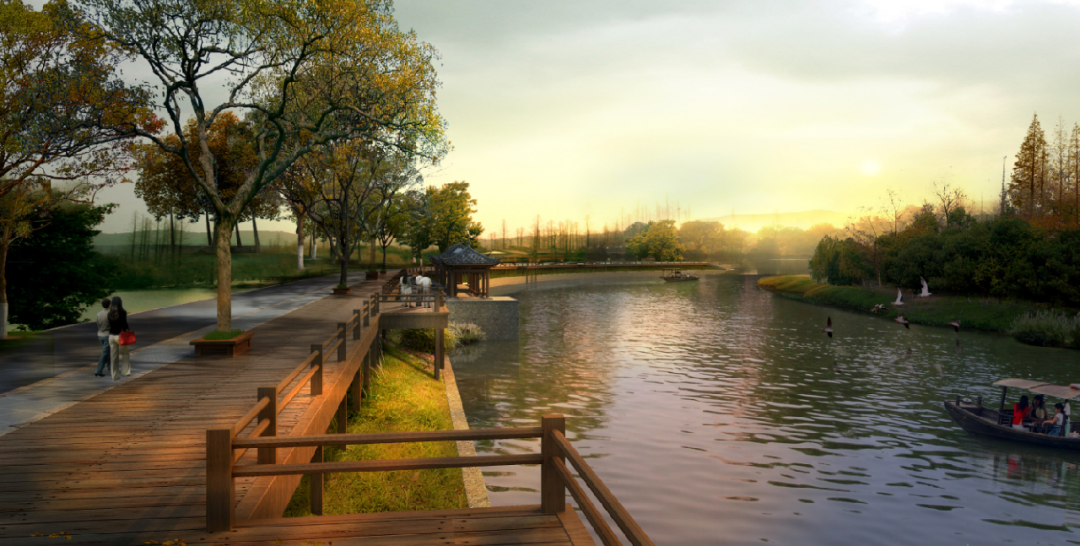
point(466, 334)
point(1046, 328)
point(423, 340)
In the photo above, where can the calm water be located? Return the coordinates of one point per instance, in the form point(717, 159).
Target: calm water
point(719, 414)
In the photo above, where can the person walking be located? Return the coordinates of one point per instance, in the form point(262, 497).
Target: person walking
point(103, 338)
point(118, 323)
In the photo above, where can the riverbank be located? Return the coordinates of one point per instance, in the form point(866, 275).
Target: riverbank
point(978, 314)
point(402, 398)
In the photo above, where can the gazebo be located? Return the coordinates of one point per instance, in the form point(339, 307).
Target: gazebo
point(460, 262)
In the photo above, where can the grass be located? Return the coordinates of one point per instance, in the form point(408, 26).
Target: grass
point(218, 335)
point(17, 338)
point(403, 398)
point(978, 314)
point(1047, 329)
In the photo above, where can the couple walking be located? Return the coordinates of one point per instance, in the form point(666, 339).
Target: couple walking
point(111, 321)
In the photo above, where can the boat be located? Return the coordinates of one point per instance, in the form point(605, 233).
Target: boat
point(676, 275)
point(977, 419)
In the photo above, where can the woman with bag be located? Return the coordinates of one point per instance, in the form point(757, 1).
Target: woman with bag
point(120, 336)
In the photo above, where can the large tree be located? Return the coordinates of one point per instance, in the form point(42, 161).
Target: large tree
point(659, 240)
point(59, 85)
point(306, 74)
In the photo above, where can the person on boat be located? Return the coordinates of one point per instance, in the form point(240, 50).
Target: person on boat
point(1053, 427)
point(1020, 412)
point(1038, 411)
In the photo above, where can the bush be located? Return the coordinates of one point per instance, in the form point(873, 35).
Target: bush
point(466, 334)
point(423, 340)
point(1046, 329)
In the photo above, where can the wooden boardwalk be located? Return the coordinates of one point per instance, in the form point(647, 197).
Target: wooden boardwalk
point(128, 466)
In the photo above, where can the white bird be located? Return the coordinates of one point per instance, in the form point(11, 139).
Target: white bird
point(925, 288)
point(903, 321)
point(828, 328)
point(899, 298)
point(879, 307)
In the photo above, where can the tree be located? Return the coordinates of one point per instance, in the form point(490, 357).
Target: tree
point(58, 83)
point(394, 220)
point(447, 216)
point(59, 253)
point(659, 240)
point(699, 236)
point(950, 197)
point(1030, 173)
point(306, 75)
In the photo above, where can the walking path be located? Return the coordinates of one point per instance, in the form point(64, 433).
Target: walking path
point(163, 334)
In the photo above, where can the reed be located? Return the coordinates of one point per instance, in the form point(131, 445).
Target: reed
point(1047, 329)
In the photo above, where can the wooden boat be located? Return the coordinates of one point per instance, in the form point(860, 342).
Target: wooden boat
point(675, 275)
point(975, 418)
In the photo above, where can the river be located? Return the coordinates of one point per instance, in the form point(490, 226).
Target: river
point(720, 414)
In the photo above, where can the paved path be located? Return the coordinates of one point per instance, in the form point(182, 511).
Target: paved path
point(62, 350)
point(58, 370)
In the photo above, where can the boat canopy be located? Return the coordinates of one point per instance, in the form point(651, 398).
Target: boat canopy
point(1040, 387)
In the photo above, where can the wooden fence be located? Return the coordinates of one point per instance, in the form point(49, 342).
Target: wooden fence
point(555, 475)
point(221, 444)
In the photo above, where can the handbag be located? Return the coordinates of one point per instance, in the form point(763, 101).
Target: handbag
point(127, 337)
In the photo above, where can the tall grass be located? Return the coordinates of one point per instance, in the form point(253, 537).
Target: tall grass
point(1047, 329)
point(466, 333)
point(403, 398)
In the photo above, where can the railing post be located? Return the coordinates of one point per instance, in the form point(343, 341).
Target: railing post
point(316, 380)
point(341, 347)
point(438, 360)
point(367, 313)
point(315, 495)
point(374, 304)
point(268, 455)
point(357, 313)
point(552, 488)
point(220, 488)
point(358, 384)
point(438, 300)
point(367, 365)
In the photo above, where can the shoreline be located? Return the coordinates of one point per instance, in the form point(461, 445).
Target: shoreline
point(976, 314)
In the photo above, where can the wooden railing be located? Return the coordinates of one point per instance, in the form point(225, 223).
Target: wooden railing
point(555, 475)
point(435, 297)
point(222, 447)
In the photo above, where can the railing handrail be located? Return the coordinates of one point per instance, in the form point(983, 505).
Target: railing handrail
point(391, 437)
point(615, 509)
point(384, 465)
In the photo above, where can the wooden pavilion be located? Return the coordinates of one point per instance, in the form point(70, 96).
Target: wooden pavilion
point(461, 263)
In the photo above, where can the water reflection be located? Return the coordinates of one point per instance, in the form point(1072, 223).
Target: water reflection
point(722, 415)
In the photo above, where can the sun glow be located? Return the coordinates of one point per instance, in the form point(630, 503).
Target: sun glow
point(870, 167)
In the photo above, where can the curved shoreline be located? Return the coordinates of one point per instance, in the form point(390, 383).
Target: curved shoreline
point(503, 286)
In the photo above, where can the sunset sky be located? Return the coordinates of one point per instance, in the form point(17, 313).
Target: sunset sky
point(569, 108)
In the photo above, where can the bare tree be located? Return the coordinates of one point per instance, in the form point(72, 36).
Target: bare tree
point(949, 196)
point(894, 208)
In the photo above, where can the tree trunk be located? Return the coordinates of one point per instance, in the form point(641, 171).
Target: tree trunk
point(224, 275)
point(344, 272)
point(373, 253)
point(5, 242)
point(314, 246)
point(299, 240)
point(172, 231)
point(239, 243)
point(255, 228)
point(384, 258)
point(209, 239)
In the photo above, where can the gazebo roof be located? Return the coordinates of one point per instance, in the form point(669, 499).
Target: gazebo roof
point(462, 254)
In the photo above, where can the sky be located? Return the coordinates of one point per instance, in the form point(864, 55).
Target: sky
point(564, 109)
